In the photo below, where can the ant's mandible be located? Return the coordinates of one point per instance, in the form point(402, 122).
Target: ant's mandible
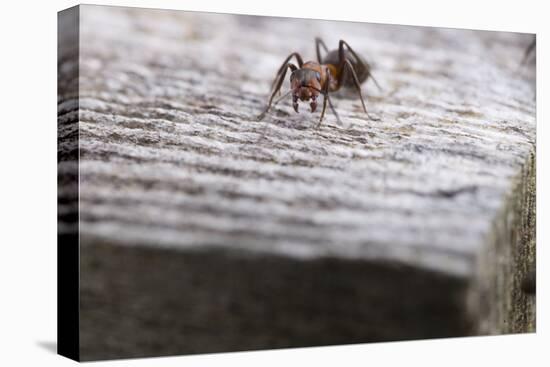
point(339, 68)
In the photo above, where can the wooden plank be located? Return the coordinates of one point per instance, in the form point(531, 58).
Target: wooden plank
point(199, 224)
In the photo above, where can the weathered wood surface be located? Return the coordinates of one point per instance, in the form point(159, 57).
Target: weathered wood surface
point(429, 211)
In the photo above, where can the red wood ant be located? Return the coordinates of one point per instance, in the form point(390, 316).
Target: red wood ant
point(339, 68)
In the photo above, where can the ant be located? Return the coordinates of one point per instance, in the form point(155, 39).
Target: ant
point(339, 68)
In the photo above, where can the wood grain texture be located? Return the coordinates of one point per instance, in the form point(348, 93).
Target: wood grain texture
point(172, 157)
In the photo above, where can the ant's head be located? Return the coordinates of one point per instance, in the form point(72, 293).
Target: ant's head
point(305, 85)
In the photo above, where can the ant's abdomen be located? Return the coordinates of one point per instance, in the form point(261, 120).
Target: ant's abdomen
point(332, 58)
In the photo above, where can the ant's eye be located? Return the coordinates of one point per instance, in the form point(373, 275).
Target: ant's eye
point(318, 75)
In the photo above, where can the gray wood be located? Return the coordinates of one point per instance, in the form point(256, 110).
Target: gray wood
point(205, 230)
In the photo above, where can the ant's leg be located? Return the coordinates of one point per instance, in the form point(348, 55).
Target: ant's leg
point(319, 42)
point(334, 111)
point(299, 60)
point(359, 60)
point(325, 99)
point(281, 98)
point(375, 82)
point(274, 104)
point(280, 77)
point(348, 64)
